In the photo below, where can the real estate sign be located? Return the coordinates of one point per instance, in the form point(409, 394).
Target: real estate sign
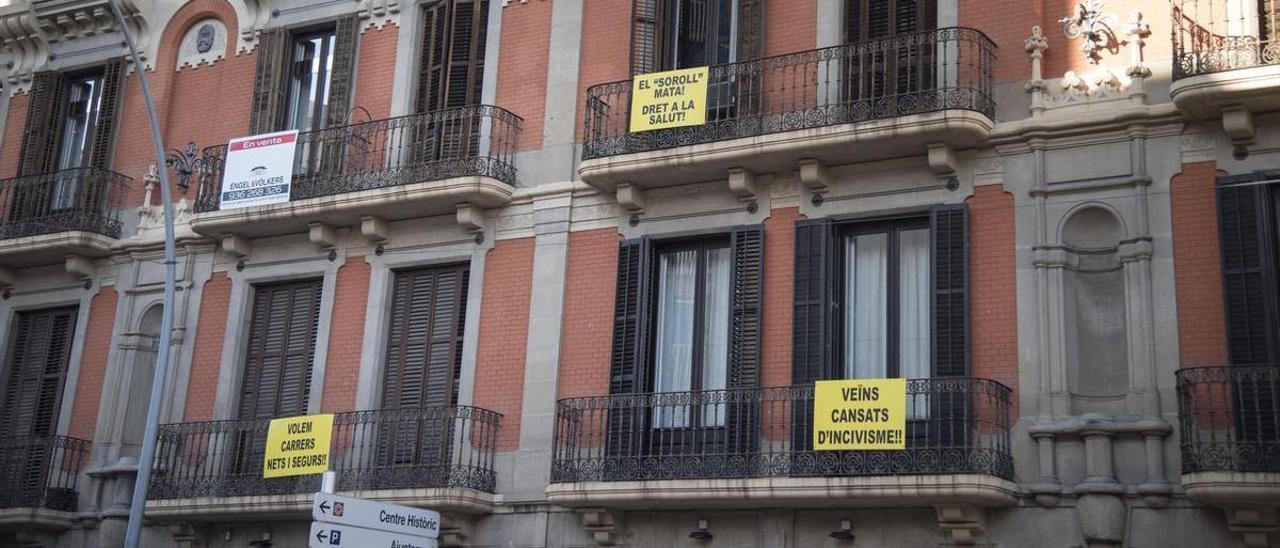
point(298, 446)
point(258, 170)
point(662, 100)
point(860, 415)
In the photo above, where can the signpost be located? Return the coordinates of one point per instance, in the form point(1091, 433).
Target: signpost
point(297, 446)
point(675, 98)
point(860, 415)
point(258, 170)
point(328, 535)
point(367, 514)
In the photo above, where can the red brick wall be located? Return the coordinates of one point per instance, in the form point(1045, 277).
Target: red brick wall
point(206, 358)
point(993, 298)
point(1197, 266)
point(374, 67)
point(504, 329)
point(606, 47)
point(522, 66)
point(790, 26)
point(1008, 23)
point(93, 363)
point(15, 125)
point(779, 292)
point(346, 336)
point(586, 339)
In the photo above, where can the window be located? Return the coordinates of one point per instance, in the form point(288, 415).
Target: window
point(897, 66)
point(451, 72)
point(84, 99)
point(671, 34)
point(705, 33)
point(424, 338)
point(35, 373)
point(887, 288)
point(281, 349)
point(310, 75)
point(691, 328)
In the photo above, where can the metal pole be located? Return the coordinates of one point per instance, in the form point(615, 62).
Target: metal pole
point(134, 531)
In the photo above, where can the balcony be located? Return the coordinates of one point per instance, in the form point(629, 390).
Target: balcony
point(419, 165)
point(441, 457)
point(48, 216)
point(38, 480)
point(857, 102)
point(753, 448)
point(1230, 428)
point(1225, 55)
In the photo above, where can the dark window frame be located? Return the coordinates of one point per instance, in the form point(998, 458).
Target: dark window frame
point(701, 244)
point(892, 227)
point(98, 76)
point(328, 49)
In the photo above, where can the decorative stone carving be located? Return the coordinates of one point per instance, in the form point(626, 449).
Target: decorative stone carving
point(204, 43)
point(1136, 30)
point(28, 28)
point(1097, 29)
point(377, 13)
point(603, 525)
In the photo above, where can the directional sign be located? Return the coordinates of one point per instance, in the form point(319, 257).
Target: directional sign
point(328, 535)
point(368, 514)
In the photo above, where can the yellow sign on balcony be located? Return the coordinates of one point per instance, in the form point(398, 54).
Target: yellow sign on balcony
point(662, 100)
point(860, 415)
point(298, 446)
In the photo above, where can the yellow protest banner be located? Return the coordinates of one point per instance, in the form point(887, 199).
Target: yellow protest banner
point(298, 446)
point(675, 98)
point(860, 415)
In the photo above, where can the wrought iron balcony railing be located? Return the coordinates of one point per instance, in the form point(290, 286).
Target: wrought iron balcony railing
point(41, 472)
point(465, 141)
point(1219, 35)
point(381, 449)
point(1230, 418)
point(956, 425)
point(908, 74)
point(85, 198)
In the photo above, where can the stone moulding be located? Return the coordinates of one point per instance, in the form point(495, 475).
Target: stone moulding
point(444, 499)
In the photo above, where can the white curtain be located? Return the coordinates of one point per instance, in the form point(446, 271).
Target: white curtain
point(715, 338)
point(914, 329)
point(866, 258)
point(673, 363)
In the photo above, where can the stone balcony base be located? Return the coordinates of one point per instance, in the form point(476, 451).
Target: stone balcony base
point(975, 490)
point(453, 500)
point(1228, 488)
point(47, 249)
point(36, 518)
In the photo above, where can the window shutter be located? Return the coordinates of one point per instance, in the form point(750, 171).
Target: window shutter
point(750, 29)
point(346, 36)
point(104, 130)
point(629, 356)
point(36, 372)
point(451, 69)
point(747, 247)
point(950, 273)
point(424, 342)
point(268, 81)
point(1247, 230)
point(813, 323)
point(649, 35)
point(281, 350)
point(44, 113)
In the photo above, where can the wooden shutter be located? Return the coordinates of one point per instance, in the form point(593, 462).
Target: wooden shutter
point(44, 115)
point(813, 323)
point(424, 342)
point(281, 350)
point(949, 225)
point(1247, 231)
point(897, 67)
point(650, 34)
point(36, 372)
point(104, 129)
point(629, 357)
point(451, 69)
point(342, 77)
point(747, 248)
point(750, 29)
point(268, 81)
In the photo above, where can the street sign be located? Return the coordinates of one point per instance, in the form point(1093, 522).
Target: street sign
point(297, 446)
point(328, 535)
point(367, 514)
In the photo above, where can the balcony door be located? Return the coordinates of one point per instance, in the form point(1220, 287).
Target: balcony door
point(421, 369)
point(279, 357)
point(881, 68)
point(450, 78)
point(33, 379)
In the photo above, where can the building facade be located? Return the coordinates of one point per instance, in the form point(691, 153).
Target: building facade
point(1060, 221)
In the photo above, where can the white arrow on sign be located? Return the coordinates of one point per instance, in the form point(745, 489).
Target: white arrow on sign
point(368, 514)
point(328, 535)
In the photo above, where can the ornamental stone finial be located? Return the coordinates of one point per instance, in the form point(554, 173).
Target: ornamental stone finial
point(1136, 30)
point(1087, 22)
